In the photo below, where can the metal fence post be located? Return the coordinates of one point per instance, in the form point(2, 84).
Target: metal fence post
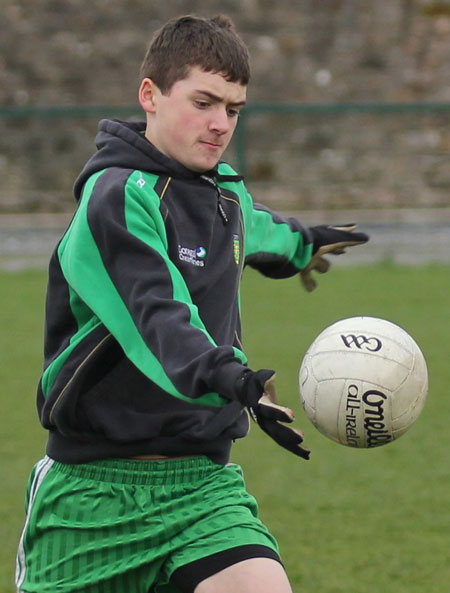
point(240, 144)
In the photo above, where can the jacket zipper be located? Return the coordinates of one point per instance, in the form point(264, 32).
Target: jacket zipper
point(220, 207)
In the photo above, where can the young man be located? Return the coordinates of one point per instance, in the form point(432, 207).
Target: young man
point(145, 381)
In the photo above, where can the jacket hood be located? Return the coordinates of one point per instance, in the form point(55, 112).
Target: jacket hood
point(123, 144)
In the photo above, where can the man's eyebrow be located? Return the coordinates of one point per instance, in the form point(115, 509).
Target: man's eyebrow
point(218, 99)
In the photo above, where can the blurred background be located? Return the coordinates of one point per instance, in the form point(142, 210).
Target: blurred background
point(349, 109)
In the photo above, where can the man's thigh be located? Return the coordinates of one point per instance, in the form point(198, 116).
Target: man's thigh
point(257, 575)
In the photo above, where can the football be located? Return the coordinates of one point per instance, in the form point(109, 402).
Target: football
point(363, 382)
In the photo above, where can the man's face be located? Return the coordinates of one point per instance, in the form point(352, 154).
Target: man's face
point(195, 121)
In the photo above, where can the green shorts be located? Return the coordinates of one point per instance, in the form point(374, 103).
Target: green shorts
point(131, 526)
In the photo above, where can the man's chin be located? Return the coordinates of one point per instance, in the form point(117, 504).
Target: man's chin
point(203, 166)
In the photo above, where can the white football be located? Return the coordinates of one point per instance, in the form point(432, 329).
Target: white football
point(363, 382)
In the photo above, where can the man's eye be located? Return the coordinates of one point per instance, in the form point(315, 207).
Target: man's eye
point(201, 104)
point(233, 112)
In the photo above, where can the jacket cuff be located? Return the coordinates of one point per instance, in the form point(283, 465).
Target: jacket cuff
point(227, 380)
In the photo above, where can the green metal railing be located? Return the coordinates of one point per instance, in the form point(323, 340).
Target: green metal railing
point(240, 139)
point(241, 134)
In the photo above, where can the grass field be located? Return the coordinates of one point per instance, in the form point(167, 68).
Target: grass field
point(350, 521)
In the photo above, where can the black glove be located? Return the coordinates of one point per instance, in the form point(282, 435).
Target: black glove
point(329, 239)
point(256, 391)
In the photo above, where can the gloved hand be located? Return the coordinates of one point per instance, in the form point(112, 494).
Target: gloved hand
point(256, 391)
point(329, 239)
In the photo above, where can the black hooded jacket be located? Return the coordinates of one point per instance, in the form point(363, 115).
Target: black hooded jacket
point(143, 338)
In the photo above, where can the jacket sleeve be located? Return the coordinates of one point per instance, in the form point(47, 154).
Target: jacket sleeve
point(275, 245)
point(115, 259)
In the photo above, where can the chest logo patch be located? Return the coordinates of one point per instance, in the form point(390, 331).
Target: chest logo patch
point(195, 257)
point(236, 249)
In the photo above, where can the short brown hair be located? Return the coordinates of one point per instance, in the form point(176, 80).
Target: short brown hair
point(211, 44)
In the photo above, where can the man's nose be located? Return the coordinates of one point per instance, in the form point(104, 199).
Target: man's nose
point(220, 122)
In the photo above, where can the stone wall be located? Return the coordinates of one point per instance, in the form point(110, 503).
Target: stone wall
point(328, 52)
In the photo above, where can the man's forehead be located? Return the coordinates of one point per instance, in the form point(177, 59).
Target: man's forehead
point(215, 83)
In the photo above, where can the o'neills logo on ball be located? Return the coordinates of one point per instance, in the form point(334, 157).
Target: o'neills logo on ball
point(374, 418)
point(372, 404)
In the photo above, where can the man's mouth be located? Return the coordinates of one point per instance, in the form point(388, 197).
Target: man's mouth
point(210, 144)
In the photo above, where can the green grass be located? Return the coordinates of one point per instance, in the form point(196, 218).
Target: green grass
point(348, 520)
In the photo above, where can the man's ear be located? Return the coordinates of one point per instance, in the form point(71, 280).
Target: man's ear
point(148, 94)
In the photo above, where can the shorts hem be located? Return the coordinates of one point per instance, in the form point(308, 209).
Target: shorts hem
point(188, 576)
